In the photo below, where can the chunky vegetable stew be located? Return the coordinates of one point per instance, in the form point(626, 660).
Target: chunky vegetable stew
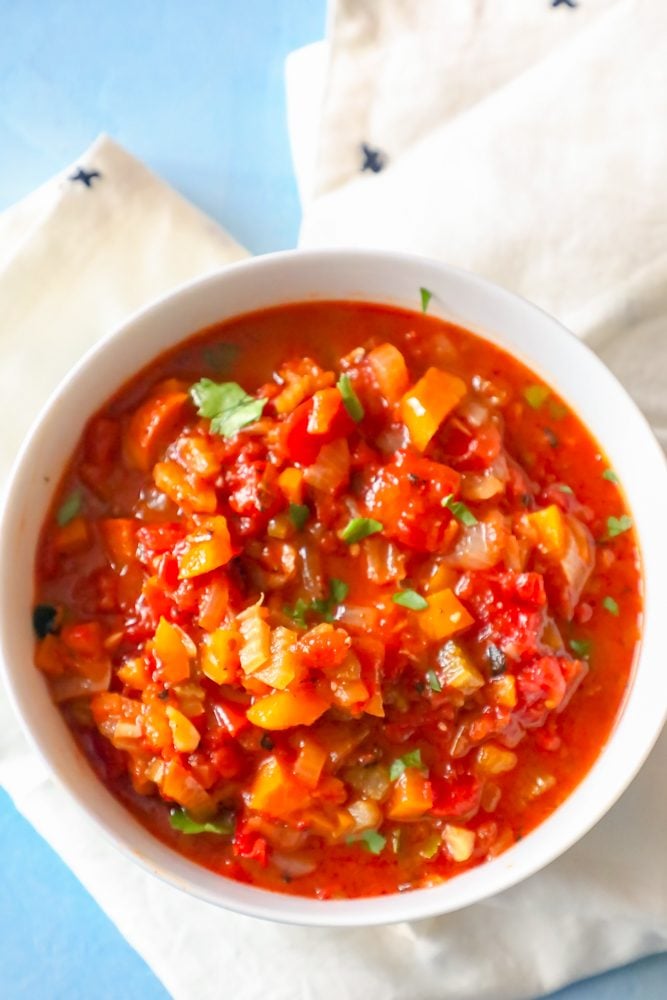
point(338, 599)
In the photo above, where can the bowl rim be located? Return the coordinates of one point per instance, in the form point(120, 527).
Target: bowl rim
point(512, 866)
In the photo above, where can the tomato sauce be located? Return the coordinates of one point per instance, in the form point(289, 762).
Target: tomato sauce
point(338, 599)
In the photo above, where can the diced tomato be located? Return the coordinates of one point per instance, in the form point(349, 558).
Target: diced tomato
point(251, 845)
point(469, 450)
point(458, 797)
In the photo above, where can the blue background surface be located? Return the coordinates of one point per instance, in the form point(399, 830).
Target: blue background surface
point(195, 89)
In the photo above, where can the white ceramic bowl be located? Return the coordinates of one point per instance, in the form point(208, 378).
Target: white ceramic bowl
point(554, 354)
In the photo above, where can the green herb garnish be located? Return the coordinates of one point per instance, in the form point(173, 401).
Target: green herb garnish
point(220, 356)
point(535, 395)
point(371, 839)
point(179, 819)
point(581, 647)
point(610, 605)
point(226, 405)
point(359, 528)
point(413, 758)
point(69, 508)
point(610, 476)
point(298, 514)
point(426, 297)
point(459, 510)
point(617, 525)
point(410, 599)
point(351, 401)
point(433, 681)
point(565, 489)
point(322, 607)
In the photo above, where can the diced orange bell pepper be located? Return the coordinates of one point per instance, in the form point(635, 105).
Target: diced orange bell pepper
point(374, 705)
point(390, 371)
point(426, 404)
point(207, 548)
point(179, 784)
point(444, 616)
point(72, 537)
point(134, 673)
point(412, 795)
point(184, 488)
point(119, 535)
point(551, 529)
point(197, 455)
point(285, 709)
point(290, 482)
point(173, 650)
point(275, 792)
point(326, 404)
point(220, 655)
point(150, 425)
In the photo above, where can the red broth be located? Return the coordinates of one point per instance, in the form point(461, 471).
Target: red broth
point(338, 636)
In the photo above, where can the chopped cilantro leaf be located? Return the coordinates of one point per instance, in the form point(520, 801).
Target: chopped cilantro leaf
point(581, 647)
point(181, 820)
point(617, 525)
point(226, 405)
point(69, 508)
point(610, 476)
point(410, 599)
point(359, 528)
point(425, 297)
point(459, 510)
point(565, 489)
point(338, 590)
point(433, 681)
point(324, 607)
point(351, 401)
point(413, 758)
point(610, 605)
point(298, 514)
point(372, 840)
point(535, 395)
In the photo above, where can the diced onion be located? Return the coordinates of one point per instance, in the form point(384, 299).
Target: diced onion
point(481, 545)
point(365, 813)
point(459, 842)
point(293, 865)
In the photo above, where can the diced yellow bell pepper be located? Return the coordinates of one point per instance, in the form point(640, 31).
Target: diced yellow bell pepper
point(290, 482)
point(551, 529)
point(285, 709)
point(459, 842)
point(444, 616)
point(457, 671)
point(220, 655)
point(412, 795)
point(492, 759)
point(428, 402)
point(275, 792)
point(184, 734)
point(206, 548)
point(173, 649)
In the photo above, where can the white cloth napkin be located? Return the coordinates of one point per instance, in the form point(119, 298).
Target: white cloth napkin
point(526, 141)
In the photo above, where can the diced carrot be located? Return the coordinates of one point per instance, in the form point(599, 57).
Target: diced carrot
point(150, 425)
point(173, 650)
point(119, 535)
point(390, 371)
point(309, 763)
point(326, 405)
point(184, 488)
point(334, 824)
point(551, 529)
point(134, 673)
point(426, 404)
point(444, 616)
point(205, 549)
point(284, 664)
point(330, 471)
point(72, 537)
point(275, 792)
point(184, 734)
point(412, 795)
point(285, 709)
point(220, 655)
point(290, 482)
point(50, 656)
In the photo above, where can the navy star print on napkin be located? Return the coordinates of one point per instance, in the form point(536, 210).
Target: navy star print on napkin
point(374, 159)
point(85, 176)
